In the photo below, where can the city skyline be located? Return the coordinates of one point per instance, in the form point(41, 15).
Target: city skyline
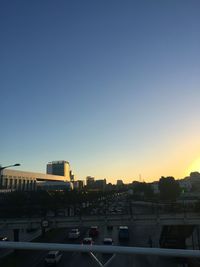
point(112, 87)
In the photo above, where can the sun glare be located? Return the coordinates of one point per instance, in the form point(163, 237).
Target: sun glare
point(195, 166)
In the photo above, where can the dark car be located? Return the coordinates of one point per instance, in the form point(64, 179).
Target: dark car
point(87, 241)
point(108, 241)
point(123, 233)
point(93, 232)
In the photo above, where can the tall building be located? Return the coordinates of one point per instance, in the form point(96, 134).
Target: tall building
point(78, 185)
point(90, 181)
point(100, 184)
point(61, 168)
point(119, 183)
point(71, 176)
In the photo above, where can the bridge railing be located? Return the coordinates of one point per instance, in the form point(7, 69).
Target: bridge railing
point(102, 249)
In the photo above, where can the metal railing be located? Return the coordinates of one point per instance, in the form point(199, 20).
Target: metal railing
point(102, 249)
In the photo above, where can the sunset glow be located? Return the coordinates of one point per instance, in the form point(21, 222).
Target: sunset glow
point(110, 86)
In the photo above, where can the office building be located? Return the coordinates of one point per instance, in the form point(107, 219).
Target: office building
point(61, 168)
point(90, 181)
point(100, 184)
point(120, 183)
point(78, 185)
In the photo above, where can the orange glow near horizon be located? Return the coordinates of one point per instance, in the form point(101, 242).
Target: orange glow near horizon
point(195, 166)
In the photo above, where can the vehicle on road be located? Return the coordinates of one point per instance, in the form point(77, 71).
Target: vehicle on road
point(87, 241)
point(123, 234)
point(53, 257)
point(93, 232)
point(4, 238)
point(74, 233)
point(108, 241)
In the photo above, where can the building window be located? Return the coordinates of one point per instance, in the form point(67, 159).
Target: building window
point(15, 184)
point(11, 183)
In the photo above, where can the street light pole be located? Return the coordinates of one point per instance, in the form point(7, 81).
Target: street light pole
point(5, 167)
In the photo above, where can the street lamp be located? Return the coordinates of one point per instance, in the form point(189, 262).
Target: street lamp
point(5, 167)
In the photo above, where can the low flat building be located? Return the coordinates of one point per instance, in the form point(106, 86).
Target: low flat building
point(25, 181)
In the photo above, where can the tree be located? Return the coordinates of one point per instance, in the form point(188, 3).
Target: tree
point(169, 188)
point(144, 190)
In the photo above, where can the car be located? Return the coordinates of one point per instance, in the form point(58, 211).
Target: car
point(4, 238)
point(87, 241)
point(53, 257)
point(93, 232)
point(107, 241)
point(123, 233)
point(74, 233)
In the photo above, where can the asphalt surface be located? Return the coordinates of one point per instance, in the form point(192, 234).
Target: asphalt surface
point(138, 237)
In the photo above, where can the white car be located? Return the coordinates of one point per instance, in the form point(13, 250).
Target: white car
point(53, 257)
point(74, 234)
point(88, 241)
point(108, 241)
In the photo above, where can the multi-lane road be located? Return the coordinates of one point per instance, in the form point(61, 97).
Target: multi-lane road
point(138, 237)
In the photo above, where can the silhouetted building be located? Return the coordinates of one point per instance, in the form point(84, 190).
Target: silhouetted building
point(110, 187)
point(120, 183)
point(71, 176)
point(78, 185)
point(100, 184)
point(185, 184)
point(90, 181)
point(155, 187)
point(195, 177)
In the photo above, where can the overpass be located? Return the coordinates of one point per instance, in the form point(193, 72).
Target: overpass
point(87, 221)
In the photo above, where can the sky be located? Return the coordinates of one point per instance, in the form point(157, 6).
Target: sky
point(113, 87)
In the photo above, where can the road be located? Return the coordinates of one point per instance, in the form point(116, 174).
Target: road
point(138, 237)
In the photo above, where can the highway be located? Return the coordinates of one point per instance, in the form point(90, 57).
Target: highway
point(138, 237)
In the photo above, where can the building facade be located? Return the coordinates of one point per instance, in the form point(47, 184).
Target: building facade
point(90, 181)
point(15, 180)
point(61, 168)
point(78, 185)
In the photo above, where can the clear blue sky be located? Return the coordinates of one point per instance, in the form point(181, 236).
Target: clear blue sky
point(111, 86)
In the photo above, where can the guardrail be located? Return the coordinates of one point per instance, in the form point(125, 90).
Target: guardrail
point(102, 249)
point(115, 220)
